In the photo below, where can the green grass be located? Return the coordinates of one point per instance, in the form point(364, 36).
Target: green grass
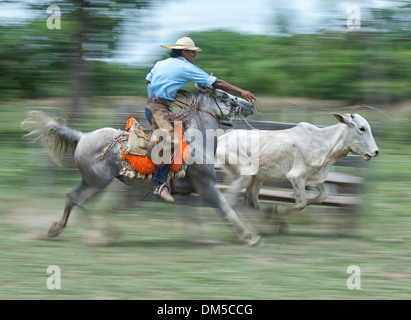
point(154, 254)
point(154, 258)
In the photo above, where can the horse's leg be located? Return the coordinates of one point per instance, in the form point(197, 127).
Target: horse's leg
point(204, 183)
point(194, 224)
point(245, 234)
point(78, 197)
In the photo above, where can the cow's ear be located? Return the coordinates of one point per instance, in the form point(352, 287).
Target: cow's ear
point(345, 119)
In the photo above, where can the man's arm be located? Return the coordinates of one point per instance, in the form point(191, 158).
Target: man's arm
point(223, 85)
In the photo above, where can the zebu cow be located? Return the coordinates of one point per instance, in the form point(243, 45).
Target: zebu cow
point(303, 155)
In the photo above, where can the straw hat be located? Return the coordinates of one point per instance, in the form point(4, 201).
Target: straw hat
point(184, 43)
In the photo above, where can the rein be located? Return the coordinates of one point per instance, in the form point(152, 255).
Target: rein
point(197, 108)
point(206, 111)
point(221, 121)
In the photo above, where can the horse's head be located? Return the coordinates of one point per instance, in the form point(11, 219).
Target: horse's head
point(225, 105)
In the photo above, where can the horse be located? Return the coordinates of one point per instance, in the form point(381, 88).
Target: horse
point(98, 158)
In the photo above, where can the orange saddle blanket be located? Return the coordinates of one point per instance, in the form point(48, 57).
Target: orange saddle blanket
point(144, 165)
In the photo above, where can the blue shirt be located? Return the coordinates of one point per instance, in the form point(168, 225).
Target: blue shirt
point(169, 75)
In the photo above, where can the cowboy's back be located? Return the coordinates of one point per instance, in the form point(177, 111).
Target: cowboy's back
point(169, 75)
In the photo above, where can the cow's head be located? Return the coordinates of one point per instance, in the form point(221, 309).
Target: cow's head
point(361, 140)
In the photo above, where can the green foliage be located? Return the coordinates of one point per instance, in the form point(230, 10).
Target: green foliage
point(354, 65)
point(351, 65)
point(118, 80)
point(37, 61)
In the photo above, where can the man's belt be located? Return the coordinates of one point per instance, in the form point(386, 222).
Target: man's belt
point(162, 101)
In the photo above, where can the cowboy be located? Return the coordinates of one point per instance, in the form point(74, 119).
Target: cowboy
point(163, 81)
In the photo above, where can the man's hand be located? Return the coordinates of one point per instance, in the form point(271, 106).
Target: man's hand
point(247, 95)
point(223, 85)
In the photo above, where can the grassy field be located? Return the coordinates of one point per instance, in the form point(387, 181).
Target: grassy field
point(153, 250)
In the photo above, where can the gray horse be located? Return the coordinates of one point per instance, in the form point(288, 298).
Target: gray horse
point(98, 171)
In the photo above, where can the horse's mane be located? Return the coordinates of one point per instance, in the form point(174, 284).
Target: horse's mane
point(187, 103)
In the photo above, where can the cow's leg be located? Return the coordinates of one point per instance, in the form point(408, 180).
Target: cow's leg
point(300, 199)
point(321, 197)
point(240, 183)
point(252, 193)
point(280, 210)
point(231, 171)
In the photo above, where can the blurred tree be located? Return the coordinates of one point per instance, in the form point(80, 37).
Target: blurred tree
point(373, 63)
point(89, 31)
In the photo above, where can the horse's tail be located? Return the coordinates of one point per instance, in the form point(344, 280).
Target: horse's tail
point(56, 137)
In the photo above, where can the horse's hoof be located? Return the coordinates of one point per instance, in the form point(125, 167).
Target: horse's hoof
point(54, 230)
point(260, 243)
point(253, 240)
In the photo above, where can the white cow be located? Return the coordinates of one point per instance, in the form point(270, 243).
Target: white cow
point(302, 154)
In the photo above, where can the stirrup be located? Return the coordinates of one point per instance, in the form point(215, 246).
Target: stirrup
point(158, 190)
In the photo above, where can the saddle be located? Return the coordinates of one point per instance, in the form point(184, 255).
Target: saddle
point(134, 153)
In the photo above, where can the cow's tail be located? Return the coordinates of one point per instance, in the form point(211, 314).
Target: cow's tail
point(57, 138)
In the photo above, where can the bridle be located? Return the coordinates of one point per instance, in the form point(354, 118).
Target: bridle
point(234, 105)
point(233, 102)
